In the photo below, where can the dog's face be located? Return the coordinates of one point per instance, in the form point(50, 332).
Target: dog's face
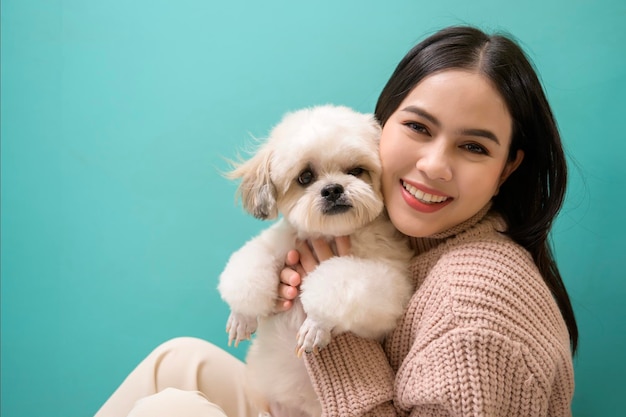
point(320, 169)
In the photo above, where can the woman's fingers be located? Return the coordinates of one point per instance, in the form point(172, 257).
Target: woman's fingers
point(282, 305)
point(308, 261)
point(289, 282)
point(319, 250)
point(290, 279)
point(293, 261)
point(287, 289)
point(303, 260)
point(344, 247)
point(322, 249)
point(293, 258)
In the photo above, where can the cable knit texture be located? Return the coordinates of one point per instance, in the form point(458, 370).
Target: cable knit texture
point(482, 336)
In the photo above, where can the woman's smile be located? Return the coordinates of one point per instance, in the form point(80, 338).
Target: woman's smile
point(422, 198)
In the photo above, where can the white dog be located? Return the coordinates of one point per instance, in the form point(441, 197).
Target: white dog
point(320, 170)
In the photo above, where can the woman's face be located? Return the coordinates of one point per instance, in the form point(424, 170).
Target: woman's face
point(444, 152)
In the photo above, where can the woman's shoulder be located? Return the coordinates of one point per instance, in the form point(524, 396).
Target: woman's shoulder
point(486, 276)
point(491, 281)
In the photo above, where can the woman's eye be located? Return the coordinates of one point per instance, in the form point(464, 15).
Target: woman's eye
point(417, 127)
point(356, 171)
point(475, 148)
point(305, 177)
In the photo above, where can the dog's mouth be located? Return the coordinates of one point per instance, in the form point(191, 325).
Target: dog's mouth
point(336, 208)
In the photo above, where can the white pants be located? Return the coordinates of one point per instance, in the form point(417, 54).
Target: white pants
point(183, 377)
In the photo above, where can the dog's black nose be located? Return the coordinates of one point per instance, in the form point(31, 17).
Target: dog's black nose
point(332, 192)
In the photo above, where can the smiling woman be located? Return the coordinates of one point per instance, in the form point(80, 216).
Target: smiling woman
point(445, 152)
point(501, 92)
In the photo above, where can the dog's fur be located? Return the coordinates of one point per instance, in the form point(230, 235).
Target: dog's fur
point(334, 151)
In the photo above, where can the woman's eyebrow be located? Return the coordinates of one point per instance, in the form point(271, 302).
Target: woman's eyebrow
point(423, 113)
point(487, 134)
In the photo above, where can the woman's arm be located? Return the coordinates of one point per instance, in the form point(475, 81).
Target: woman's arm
point(352, 375)
point(475, 372)
point(467, 372)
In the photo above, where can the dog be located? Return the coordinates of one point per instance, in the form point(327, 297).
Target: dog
point(320, 171)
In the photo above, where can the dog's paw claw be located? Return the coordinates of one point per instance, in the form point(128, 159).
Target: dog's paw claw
point(240, 327)
point(311, 337)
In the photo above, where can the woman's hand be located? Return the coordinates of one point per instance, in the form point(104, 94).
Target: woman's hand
point(303, 260)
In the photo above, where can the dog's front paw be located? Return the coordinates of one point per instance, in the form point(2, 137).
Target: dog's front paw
point(311, 337)
point(240, 327)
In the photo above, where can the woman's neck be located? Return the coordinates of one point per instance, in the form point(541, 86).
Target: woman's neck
point(424, 244)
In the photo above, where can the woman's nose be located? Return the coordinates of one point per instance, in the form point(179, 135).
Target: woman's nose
point(435, 162)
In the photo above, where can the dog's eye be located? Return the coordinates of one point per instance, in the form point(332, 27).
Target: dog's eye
point(305, 177)
point(356, 171)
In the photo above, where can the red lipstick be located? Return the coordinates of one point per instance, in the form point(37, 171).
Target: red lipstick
point(420, 205)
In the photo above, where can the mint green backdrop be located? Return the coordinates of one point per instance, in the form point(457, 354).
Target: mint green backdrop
point(116, 117)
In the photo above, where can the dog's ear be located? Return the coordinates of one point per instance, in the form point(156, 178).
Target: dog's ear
point(258, 193)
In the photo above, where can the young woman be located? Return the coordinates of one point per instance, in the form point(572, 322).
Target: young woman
point(474, 173)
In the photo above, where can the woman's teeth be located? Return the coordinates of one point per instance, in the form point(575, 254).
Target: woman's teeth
point(422, 196)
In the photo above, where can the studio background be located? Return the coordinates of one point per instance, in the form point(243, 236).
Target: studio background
point(116, 119)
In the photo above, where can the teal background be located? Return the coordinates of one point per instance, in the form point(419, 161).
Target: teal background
point(116, 119)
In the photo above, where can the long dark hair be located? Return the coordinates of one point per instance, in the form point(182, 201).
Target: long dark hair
point(532, 196)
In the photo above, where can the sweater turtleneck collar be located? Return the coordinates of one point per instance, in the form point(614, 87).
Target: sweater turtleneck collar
point(424, 244)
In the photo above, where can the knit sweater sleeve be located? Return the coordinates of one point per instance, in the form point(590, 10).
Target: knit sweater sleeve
point(352, 377)
point(471, 372)
point(467, 372)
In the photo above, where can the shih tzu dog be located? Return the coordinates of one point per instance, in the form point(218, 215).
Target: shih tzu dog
point(320, 171)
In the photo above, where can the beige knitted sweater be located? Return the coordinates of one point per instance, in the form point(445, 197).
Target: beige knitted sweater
point(482, 336)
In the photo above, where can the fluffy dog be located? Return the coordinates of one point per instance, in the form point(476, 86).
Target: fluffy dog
point(320, 170)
